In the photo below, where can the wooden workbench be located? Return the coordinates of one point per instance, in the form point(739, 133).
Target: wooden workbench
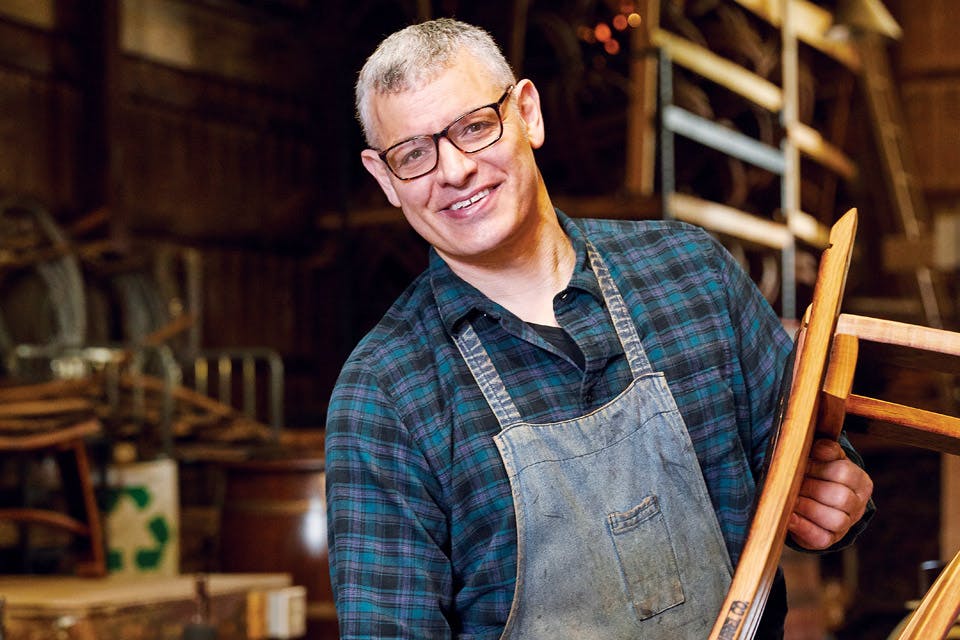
point(125, 608)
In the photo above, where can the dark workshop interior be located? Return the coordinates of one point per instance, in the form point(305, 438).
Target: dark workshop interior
point(190, 248)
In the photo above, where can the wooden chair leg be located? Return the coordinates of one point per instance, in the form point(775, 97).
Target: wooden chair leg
point(94, 563)
point(939, 608)
point(82, 517)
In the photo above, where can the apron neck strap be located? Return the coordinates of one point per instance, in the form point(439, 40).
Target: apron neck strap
point(489, 381)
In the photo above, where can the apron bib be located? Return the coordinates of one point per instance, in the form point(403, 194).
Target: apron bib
point(616, 534)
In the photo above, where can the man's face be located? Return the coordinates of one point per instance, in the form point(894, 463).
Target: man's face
point(473, 208)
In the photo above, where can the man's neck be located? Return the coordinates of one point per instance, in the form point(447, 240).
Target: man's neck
point(526, 281)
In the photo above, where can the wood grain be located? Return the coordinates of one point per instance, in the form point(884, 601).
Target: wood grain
point(938, 609)
point(742, 609)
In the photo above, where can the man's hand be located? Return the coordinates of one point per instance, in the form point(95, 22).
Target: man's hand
point(833, 497)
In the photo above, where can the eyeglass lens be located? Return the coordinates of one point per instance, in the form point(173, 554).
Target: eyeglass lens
point(471, 132)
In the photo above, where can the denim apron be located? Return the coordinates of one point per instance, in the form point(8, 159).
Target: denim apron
point(616, 534)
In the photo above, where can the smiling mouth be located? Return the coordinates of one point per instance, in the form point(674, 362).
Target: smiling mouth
point(480, 195)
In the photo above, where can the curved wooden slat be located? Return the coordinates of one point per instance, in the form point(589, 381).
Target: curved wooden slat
point(938, 609)
point(47, 518)
point(742, 609)
point(58, 438)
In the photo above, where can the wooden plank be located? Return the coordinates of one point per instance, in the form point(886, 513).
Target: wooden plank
point(723, 219)
point(939, 608)
point(754, 574)
point(144, 607)
point(62, 595)
point(812, 26)
point(809, 229)
point(717, 69)
point(29, 408)
point(60, 437)
point(949, 499)
point(932, 348)
point(811, 143)
point(908, 425)
point(46, 518)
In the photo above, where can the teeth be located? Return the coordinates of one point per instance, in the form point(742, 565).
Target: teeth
point(469, 201)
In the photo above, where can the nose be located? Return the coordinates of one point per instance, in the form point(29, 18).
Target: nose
point(453, 166)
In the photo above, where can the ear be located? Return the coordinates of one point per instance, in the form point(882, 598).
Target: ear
point(528, 104)
point(378, 169)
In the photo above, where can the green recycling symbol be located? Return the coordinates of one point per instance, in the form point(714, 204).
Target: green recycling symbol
point(156, 531)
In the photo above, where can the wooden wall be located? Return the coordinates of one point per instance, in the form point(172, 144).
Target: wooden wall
point(42, 95)
point(929, 69)
point(226, 126)
point(222, 126)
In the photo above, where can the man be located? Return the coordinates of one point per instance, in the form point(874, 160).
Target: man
point(557, 430)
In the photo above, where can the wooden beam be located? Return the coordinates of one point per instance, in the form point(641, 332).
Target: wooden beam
point(733, 222)
point(717, 69)
point(949, 499)
point(809, 229)
point(908, 425)
point(811, 143)
point(934, 348)
point(641, 112)
point(813, 24)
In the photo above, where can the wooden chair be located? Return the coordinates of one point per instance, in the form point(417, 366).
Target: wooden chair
point(920, 347)
point(63, 426)
point(819, 399)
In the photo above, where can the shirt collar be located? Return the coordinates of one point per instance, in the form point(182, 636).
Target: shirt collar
point(458, 300)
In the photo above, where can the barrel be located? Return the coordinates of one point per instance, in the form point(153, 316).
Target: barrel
point(274, 520)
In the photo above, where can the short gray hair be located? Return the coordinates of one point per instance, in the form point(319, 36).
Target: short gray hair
point(420, 52)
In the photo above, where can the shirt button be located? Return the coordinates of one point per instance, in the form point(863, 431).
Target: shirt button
point(565, 295)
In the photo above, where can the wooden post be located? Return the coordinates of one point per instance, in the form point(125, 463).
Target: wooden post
point(949, 499)
point(641, 133)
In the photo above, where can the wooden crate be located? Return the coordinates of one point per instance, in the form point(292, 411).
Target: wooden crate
point(125, 608)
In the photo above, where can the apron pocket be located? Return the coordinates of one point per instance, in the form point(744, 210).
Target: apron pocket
point(646, 557)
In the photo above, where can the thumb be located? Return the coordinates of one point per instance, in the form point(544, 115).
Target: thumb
point(826, 450)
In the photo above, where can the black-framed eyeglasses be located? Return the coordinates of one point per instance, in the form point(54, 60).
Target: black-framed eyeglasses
point(473, 131)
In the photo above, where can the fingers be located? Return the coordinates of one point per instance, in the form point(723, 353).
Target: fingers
point(826, 450)
point(809, 535)
point(833, 497)
point(830, 464)
point(815, 524)
point(822, 498)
